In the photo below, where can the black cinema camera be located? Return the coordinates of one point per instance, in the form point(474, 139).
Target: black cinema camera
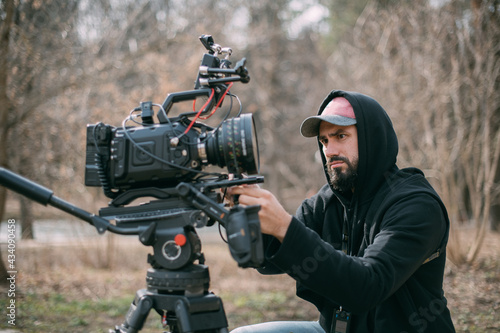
point(168, 161)
point(163, 155)
point(177, 148)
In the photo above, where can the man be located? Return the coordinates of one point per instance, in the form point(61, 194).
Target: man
point(369, 248)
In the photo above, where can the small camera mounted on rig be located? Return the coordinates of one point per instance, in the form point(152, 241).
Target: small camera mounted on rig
point(167, 160)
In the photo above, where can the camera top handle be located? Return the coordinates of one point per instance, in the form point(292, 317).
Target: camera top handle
point(181, 97)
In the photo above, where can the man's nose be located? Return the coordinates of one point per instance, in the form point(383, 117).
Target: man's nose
point(331, 150)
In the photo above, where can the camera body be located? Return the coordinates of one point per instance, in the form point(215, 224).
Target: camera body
point(152, 155)
point(126, 166)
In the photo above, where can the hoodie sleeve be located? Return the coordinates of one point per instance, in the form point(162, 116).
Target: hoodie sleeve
point(311, 212)
point(411, 229)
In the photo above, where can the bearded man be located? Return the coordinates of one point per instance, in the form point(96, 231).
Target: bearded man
point(368, 250)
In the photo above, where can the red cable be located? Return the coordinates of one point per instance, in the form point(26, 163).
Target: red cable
point(199, 112)
point(220, 101)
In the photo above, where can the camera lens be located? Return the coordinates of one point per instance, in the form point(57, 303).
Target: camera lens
point(234, 145)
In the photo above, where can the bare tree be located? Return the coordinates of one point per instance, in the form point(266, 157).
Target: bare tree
point(34, 60)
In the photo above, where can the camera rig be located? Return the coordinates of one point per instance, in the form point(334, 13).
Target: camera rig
point(166, 161)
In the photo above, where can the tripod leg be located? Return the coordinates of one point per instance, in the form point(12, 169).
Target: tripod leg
point(137, 314)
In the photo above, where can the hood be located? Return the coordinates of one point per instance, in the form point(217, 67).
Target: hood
point(377, 142)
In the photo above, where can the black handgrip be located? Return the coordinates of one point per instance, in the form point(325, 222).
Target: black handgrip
point(25, 187)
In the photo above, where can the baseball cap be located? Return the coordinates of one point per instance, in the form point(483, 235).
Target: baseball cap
point(338, 112)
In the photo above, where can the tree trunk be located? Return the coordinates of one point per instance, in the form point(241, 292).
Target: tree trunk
point(5, 27)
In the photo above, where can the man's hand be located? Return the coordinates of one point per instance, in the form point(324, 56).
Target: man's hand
point(274, 219)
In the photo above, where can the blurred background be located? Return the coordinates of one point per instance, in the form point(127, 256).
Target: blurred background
point(433, 64)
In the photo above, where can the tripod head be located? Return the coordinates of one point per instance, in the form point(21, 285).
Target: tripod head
point(167, 224)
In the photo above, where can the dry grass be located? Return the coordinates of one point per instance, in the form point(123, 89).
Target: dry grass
point(473, 292)
point(87, 285)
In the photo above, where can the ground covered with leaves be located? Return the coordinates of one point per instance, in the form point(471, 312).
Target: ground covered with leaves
point(87, 286)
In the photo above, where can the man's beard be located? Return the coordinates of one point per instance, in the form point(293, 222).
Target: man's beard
point(343, 181)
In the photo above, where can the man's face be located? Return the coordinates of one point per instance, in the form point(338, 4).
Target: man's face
point(340, 146)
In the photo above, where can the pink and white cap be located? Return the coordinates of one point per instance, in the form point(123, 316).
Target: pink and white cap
point(338, 112)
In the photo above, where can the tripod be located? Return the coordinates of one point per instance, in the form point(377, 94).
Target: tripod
point(177, 288)
point(182, 298)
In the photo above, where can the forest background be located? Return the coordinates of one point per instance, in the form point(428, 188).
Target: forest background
point(434, 66)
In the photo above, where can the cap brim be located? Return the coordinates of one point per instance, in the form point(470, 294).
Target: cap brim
point(310, 126)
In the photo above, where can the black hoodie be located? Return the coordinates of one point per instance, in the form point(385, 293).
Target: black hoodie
point(390, 274)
